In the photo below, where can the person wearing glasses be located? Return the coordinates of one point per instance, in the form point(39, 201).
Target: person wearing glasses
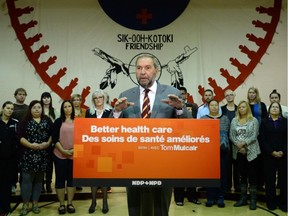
point(229, 109)
point(98, 109)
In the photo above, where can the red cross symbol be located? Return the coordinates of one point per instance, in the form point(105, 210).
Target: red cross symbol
point(144, 16)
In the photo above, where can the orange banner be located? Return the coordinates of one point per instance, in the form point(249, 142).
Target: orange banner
point(127, 152)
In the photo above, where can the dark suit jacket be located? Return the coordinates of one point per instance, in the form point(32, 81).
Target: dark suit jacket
point(105, 114)
point(159, 110)
point(194, 109)
point(145, 201)
point(273, 139)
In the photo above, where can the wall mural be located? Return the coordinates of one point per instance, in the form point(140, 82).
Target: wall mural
point(146, 17)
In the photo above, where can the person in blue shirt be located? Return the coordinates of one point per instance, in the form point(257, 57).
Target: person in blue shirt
point(203, 109)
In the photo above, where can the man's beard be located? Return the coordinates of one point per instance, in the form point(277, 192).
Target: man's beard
point(148, 85)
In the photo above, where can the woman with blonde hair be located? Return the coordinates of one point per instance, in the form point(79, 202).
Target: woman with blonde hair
point(258, 108)
point(244, 130)
point(76, 100)
point(259, 111)
point(98, 109)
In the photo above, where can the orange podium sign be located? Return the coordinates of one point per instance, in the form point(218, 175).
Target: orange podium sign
point(146, 152)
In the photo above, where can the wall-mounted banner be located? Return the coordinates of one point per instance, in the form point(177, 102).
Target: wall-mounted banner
point(150, 152)
point(76, 47)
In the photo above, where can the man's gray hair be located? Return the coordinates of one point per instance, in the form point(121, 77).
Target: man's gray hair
point(154, 59)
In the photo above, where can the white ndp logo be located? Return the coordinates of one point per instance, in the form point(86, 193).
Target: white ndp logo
point(146, 183)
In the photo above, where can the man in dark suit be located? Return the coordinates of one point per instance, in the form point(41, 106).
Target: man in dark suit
point(164, 102)
point(192, 107)
point(190, 192)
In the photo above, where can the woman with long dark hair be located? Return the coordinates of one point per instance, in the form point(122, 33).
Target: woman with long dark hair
point(50, 111)
point(276, 97)
point(34, 133)
point(63, 141)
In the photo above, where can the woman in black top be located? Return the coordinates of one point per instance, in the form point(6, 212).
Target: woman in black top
point(98, 109)
point(259, 111)
point(273, 134)
point(50, 111)
point(8, 164)
point(229, 110)
point(34, 133)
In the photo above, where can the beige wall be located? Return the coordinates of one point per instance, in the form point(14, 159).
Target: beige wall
point(72, 30)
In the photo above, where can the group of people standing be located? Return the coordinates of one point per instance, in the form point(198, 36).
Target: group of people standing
point(32, 138)
point(25, 145)
point(256, 145)
point(251, 138)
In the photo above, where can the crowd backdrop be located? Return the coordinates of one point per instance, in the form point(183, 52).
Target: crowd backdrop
point(72, 46)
